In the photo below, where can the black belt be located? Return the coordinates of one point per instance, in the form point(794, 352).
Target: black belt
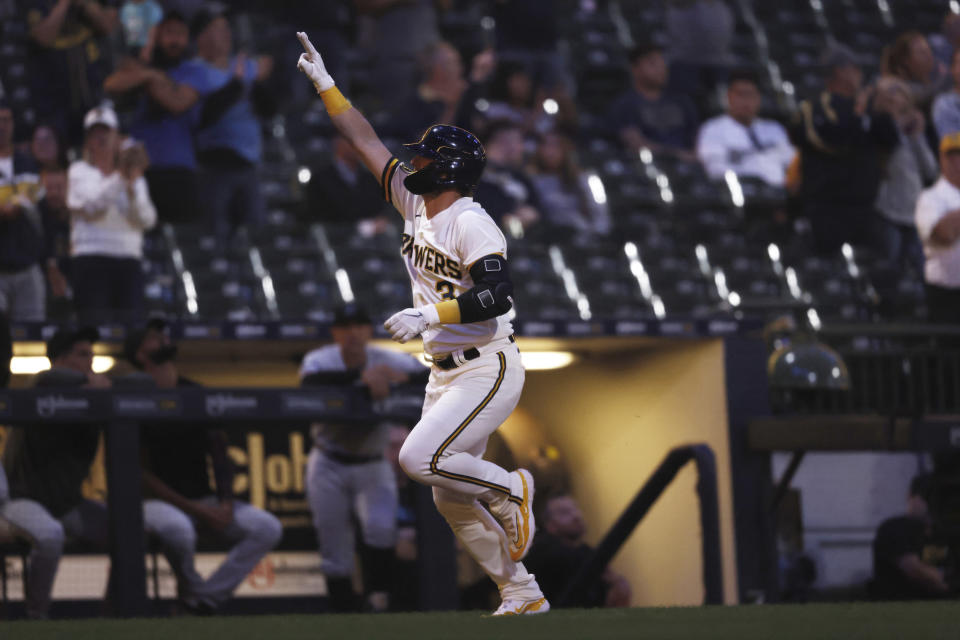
point(472, 353)
point(350, 458)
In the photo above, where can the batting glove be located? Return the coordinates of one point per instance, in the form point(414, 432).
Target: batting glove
point(312, 64)
point(409, 323)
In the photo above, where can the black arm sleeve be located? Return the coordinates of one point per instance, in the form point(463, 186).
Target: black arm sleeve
point(321, 378)
point(492, 292)
point(217, 103)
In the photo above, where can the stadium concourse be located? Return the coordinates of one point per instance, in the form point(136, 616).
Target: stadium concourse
point(749, 204)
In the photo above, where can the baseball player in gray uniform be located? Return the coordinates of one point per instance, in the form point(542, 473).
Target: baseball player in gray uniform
point(456, 258)
point(348, 478)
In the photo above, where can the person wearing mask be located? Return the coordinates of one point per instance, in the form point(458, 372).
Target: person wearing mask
point(559, 551)
point(348, 478)
point(908, 168)
point(110, 208)
point(843, 136)
point(21, 239)
point(907, 560)
point(181, 496)
point(567, 200)
point(505, 190)
point(938, 223)
point(648, 114)
point(46, 466)
point(741, 142)
point(230, 147)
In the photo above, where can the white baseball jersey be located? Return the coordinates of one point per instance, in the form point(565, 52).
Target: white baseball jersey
point(438, 253)
point(352, 438)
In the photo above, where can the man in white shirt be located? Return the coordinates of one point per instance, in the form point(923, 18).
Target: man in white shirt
point(938, 223)
point(740, 141)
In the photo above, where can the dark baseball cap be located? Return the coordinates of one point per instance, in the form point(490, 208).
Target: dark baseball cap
point(135, 338)
point(350, 314)
point(203, 18)
point(838, 55)
point(63, 340)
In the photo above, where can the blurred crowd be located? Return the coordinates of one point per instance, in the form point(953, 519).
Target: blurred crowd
point(149, 112)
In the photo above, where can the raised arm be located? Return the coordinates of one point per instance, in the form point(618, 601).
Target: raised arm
point(349, 122)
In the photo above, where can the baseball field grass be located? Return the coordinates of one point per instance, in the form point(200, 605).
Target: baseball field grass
point(926, 621)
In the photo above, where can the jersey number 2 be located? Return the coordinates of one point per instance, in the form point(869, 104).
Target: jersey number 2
point(446, 289)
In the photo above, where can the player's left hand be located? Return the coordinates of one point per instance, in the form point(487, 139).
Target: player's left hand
point(405, 325)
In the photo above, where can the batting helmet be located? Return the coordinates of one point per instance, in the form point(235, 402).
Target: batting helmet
point(458, 160)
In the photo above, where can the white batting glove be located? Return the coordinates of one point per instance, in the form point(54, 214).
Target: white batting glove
point(409, 323)
point(312, 64)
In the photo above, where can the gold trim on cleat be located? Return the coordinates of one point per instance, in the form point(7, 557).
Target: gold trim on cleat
point(530, 607)
point(523, 533)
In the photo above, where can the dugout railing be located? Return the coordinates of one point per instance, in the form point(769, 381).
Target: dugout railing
point(121, 410)
point(658, 482)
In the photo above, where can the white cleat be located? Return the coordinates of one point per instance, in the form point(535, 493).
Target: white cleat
point(523, 607)
point(517, 519)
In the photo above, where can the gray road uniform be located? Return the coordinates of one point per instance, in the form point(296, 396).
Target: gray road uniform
point(348, 477)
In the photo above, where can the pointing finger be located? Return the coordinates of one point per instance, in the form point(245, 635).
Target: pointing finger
point(307, 45)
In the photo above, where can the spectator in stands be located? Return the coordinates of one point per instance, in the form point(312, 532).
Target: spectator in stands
point(344, 192)
point(514, 97)
point(46, 148)
point(230, 148)
point(741, 142)
point(396, 33)
point(46, 466)
point(21, 239)
point(947, 42)
point(648, 115)
point(55, 218)
point(179, 487)
point(69, 59)
point(910, 59)
point(445, 95)
point(907, 563)
point(908, 168)
point(170, 93)
point(700, 34)
point(505, 189)
point(938, 223)
point(559, 551)
point(841, 137)
point(111, 208)
point(946, 107)
point(570, 202)
point(138, 19)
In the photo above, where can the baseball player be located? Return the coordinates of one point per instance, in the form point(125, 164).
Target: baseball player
point(347, 474)
point(456, 258)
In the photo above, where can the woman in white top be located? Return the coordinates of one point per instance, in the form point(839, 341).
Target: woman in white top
point(110, 209)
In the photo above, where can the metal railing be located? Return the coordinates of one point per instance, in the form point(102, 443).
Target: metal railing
point(655, 485)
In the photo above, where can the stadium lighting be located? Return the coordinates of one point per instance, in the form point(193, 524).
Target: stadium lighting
point(550, 106)
point(596, 189)
point(304, 175)
point(31, 365)
point(343, 283)
point(954, 6)
point(736, 191)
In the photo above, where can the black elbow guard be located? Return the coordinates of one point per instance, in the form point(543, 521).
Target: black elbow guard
point(492, 292)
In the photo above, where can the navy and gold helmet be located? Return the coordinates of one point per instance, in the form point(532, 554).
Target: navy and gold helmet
point(458, 160)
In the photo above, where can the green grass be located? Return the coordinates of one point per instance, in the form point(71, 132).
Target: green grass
point(926, 621)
